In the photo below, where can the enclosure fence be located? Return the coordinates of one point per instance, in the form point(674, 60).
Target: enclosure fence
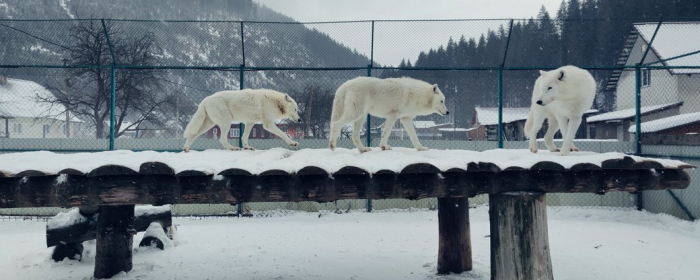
point(105, 84)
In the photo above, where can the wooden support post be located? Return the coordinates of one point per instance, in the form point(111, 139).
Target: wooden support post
point(455, 249)
point(519, 241)
point(115, 233)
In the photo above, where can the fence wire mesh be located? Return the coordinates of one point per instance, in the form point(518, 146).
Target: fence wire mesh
point(57, 89)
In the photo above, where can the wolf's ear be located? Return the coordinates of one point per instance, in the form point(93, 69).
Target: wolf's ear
point(542, 72)
point(561, 75)
point(435, 88)
point(286, 97)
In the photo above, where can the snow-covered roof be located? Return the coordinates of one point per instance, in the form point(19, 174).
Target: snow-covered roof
point(489, 116)
point(416, 124)
point(674, 39)
point(20, 99)
point(667, 123)
point(630, 113)
point(456, 129)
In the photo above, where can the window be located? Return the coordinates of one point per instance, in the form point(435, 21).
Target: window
point(255, 132)
point(17, 128)
point(233, 133)
point(646, 77)
point(216, 131)
point(47, 129)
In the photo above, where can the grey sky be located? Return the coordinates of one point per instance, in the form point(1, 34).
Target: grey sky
point(404, 40)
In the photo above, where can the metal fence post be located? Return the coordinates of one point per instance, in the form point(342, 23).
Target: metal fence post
point(500, 88)
point(112, 88)
point(369, 118)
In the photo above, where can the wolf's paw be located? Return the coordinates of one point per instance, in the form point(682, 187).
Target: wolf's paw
point(555, 150)
point(534, 149)
point(233, 148)
point(294, 144)
point(574, 149)
point(364, 149)
point(186, 150)
point(248, 148)
point(563, 152)
point(386, 148)
point(331, 145)
point(421, 148)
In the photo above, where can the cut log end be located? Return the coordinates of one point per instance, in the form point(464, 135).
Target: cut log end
point(73, 251)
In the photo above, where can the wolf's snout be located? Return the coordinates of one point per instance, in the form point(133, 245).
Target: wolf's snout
point(539, 102)
point(299, 120)
point(447, 113)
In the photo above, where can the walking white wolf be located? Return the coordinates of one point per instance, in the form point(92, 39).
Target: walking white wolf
point(393, 99)
point(248, 106)
point(561, 96)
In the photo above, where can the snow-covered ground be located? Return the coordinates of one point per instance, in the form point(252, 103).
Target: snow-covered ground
point(585, 244)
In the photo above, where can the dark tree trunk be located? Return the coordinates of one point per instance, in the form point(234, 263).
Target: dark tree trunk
point(114, 240)
point(455, 252)
point(519, 241)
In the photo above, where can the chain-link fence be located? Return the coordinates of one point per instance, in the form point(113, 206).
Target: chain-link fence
point(94, 85)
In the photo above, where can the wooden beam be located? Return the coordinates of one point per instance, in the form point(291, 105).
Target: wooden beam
point(519, 241)
point(115, 237)
point(455, 249)
point(348, 183)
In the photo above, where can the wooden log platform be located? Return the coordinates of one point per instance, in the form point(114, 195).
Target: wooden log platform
point(119, 180)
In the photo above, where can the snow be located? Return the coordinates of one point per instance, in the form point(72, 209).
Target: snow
point(140, 210)
point(155, 229)
point(258, 161)
point(630, 113)
point(673, 40)
point(667, 123)
point(66, 219)
point(456, 129)
point(19, 99)
point(65, 8)
point(489, 116)
point(585, 244)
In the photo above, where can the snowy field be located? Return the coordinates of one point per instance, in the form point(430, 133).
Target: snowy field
point(585, 244)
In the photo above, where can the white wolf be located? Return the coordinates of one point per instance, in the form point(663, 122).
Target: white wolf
point(561, 96)
point(248, 106)
point(393, 98)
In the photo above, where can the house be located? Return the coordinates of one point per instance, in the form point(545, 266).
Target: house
point(683, 129)
point(23, 114)
point(671, 47)
point(294, 130)
point(486, 120)
point(455, 133)
point(615, 124)
point(424, 130)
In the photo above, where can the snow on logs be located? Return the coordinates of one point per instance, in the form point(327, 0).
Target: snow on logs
point(382, 175)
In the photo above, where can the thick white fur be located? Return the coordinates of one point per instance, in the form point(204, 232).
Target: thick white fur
point(393, 99)
point(248, 106)
point(565, 94)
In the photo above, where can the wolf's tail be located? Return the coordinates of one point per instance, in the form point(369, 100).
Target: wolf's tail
point(338, 104)
point(528, 122)
point(196, 122)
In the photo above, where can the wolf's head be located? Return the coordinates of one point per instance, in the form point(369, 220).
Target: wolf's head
point(550, 82)
point(291, 109)
point(439, 101)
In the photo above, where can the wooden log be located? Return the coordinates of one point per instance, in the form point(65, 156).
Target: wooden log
point(115, 237)
point(72, 251)
point(348, 183)
point(455, 249)
point(519, 241)
point(87, 229)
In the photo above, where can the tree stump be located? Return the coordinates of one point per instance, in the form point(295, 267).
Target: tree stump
point(115, 230)
point(519, 241)
point(73, 251)
point(454, 252)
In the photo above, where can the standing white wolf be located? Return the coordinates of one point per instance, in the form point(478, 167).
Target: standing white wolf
point(248, 106)
point(561, 96)
point(393, 99)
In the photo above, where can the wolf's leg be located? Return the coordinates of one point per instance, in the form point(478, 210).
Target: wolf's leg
point(553, 126)
point(223, 138)
point(408, 126)
point(272, 128)
point(356, 129)
point(537, 119)
point(569, 132)
point(347, 117)
point(564, 131)
point(206, 125)
point(246, 133)
point(388, 125)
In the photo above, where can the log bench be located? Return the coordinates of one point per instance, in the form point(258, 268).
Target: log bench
point(516, 181)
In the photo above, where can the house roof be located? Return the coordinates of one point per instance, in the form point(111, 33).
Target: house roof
point(416, 124)
point(674, 39)
point(489, 115)
point(667, 123)
point(458, 129)
point(631, 112)
point(20, 99)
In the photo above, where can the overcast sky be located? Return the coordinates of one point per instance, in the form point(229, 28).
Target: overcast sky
point(395, 41)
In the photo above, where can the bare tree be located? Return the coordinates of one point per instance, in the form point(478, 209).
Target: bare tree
point(315, 106)
point(140, 95)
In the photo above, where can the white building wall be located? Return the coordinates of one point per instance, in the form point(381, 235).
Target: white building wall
point(34, 128)
point(689, 90)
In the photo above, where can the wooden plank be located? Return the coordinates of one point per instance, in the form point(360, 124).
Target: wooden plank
point(351, 183)
point(519, 240)
point(455, 250)
point(114, 240)
point(111, 170)
point(156, 168)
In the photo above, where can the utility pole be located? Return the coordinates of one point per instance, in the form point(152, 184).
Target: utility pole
point(309, 109)
point(65, 90)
